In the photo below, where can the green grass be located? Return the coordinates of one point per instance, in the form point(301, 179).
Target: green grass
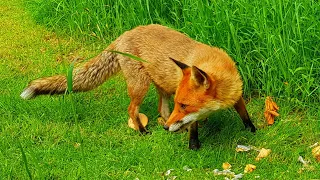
point(275, 42)
point(85, 135)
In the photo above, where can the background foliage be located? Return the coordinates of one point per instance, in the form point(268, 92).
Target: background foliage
point(275, 42)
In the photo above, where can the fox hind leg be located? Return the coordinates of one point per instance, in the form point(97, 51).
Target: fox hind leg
point(138, 83)
point(137, 93)
point(242, 111)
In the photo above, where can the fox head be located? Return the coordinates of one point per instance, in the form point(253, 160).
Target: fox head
point(194, 99)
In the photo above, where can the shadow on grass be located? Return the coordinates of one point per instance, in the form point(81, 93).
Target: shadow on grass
point(224, 128)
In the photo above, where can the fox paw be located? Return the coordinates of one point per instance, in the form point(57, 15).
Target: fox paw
point(144, 131)
point(194, 144)
point(251, 127)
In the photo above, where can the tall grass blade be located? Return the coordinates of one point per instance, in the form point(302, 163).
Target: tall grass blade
point(24, 159)
point(129, 55)
point(70, 77)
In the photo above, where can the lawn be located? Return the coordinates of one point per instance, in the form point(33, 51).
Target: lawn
point(85, 135)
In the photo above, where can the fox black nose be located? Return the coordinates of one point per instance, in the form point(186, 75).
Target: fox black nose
point(166, 127)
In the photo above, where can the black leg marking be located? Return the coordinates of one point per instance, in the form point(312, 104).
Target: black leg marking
point(194, 142)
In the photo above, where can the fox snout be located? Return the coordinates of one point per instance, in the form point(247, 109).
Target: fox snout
point(165, 127)
point(177, 126)
point(178, 122)
point(173, 127)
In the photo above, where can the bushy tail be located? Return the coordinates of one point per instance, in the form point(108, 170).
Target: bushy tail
point(87, 77)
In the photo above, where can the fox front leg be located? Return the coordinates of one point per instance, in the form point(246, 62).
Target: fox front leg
point(194, 142)
point(242, 111)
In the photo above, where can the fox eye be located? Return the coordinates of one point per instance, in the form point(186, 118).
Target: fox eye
point(183, 106)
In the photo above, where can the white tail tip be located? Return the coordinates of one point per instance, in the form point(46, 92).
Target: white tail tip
point(27, 93)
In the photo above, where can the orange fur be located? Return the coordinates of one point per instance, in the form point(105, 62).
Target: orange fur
point(156, 44)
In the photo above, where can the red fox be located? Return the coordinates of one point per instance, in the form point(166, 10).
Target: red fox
point(203, 78)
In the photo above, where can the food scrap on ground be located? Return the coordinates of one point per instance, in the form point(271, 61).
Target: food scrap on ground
point(226, 166)
point(314, 145)
point(300, 159)
point(168, 176)
point(306, 166)
point(243, 148)
point(143, 118)
point(271, 109)
point(249, 168)
point(168, 172)
point(172, 178)
point(186, 168)
point(316, 152)
point(263, 153)
point(228, 173)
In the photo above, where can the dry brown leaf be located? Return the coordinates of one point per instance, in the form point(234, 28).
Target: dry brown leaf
point(226, 166)
point(274, 113)
point(263, 153)
point(271, 109)
point(144, 121)
point(249, 168)
point(316, 153)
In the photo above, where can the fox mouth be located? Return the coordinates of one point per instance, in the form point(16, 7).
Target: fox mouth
point(183, 127)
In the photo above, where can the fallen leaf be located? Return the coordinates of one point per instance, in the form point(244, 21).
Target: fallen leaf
point(263, 153)
point(249, 168)
point(226, 166)
point(316, 153)
point(271, 109)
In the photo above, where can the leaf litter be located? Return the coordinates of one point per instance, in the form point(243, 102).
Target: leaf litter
point(263, 152)
point(271, 110)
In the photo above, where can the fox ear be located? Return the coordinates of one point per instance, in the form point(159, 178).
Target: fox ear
point(180, 64)
point(199, 77)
